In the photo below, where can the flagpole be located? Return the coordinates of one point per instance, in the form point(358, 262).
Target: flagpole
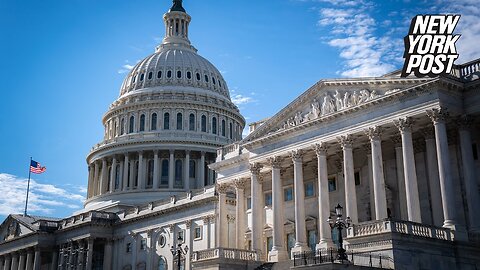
point(28, 186)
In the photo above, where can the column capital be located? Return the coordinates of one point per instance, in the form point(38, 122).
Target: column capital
point(438, 115)
point(397, 140)
point(464, 122)
point(171, 151)
point(255, 168)
point(240, 183)
point(345, 141)
point(187, 152)
point(374, 133)
point(171, 228)
point(296, 155)
point(188, 223)
point(367, 148)
point(320, 148)
point(428, 133)
point(403, 124)
point(206, 219)
point(222, 188)
point(274, 162)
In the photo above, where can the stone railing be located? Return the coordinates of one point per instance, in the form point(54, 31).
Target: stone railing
point(397, 226)
point(465, 70)
point(93, 215)
point(224, 253)
point(229, 151)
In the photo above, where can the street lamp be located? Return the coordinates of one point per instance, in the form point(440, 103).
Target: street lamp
point(178, 250)
point(339, 224)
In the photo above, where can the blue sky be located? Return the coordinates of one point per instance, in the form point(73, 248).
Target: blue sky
point(62, 64)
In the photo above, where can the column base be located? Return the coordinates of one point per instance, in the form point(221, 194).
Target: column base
point(299, 248)
point(277, 255)
point(325, 245)
point(459, 232)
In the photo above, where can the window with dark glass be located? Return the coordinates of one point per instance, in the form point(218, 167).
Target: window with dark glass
point(197, 233)
point(231, 130)
point(268, 199)
point(153, 124)
point(122, 126)
point(198, 76)
point(219, 83)
point(143, 244)
point(214, 125)
point(159, 74)
point(249, 203)
point(117, 176)
point(332, 184)
point(179, 74)
point(206, 78)
point(150, 75)
point(204, 123)
point(166, 121)
point(178, 172)
point(142, 122)
point(131, 124)
point(136, 175)
point(191, 122)
point(312, 239)
point(164, 178)
point(192, 170)
point(128, 248)
point(213, 80)
point(142, 77)
point(134, 79)
point(169, 74)
point(189, 75)
point(288, 194)
point(223, 128)
point(179, 121)
point(150, 165)
point(309, 189)
point(357, 178)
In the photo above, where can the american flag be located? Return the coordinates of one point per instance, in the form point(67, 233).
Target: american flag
point(35, 167)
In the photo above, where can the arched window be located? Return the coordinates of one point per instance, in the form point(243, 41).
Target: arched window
point(213, 80)
point(192, 169)
point(142, 122)
point(109, 180)
point(166, 121)
point(214, 125)
point(162, 264)
point(191, 122)
point(150, 75)
point(122, 126)
point(179, 121)
point(223, 128)
point(189, 75)
point(169, 74)
point(142, 77)
point(131, 124)
point(198, 76)
point(206, 78)
point(231, 130)
point(134, 79)
point(178, 173)
point(153, 124)
point(204, 123)
point(159, 74)
point(115, 129)
point(179, 74)
point(164, 178)
point(136, 175)
point(220, 83)
point(150, 173)
point(117, 176)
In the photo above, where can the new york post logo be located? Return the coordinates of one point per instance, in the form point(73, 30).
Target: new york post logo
point(430, 45)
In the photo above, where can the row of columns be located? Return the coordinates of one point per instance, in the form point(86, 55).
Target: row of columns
point(74, 255)
point(445, 201)
point(29, 259)
point(101, 182)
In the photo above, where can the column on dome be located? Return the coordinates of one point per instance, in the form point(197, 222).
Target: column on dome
point(374, 134)
point(404, 125)
point(202, 169)
point(126, 166)
point(240, 212)
point(469, 172)
point(95, 190)
point(104, 180)
point(187, 170)
point(90, 181)
point(222, 216)
point(346, 142)
point(171, 169)
point(299, 193)
point(278, 252)
point(256, 201)
point(113, 173)
point(156, 169)
point(141, 171)
point(433, 177)
point(325, 236)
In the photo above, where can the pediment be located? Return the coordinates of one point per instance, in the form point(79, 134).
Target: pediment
point(329, 98)
point(12, 228)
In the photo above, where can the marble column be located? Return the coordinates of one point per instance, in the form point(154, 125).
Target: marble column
point(131, 178)
point(126, 166)
point(54, 265)
point(156, 166)
point(222, 215)
point(14, 261)
point(8, 262)
point(30, 255)
point(187, 170)
point(374, 134)
point(89, 254)
point(433, 177)
point(141, 171)
point(90, 181)
point(469, 173)
point(96, 179)
point(402, 197)
point(37, 261)
point(324, 230)
point(346, 142)
point(279, 251)
point(202, 169)
point(240, 213)
point(81, 255)
point(404, 125)
point(120, 177)
point(103, 179)
point(113, 174)
point(438, 117)
point(206, 230)
point(257, 209)
point(107, 255)
point(299, 194)
point(171, 169)
point(22, 261)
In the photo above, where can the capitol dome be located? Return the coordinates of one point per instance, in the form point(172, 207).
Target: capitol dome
point(173, 112)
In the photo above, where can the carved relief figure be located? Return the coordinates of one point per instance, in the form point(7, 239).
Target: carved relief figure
point(338, 100)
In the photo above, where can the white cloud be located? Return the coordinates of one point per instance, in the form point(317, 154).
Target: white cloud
point(43, 198)
point(125, 68)
point(239, 99)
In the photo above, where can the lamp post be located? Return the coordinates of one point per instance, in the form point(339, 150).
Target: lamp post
point(179, 251)
point(339, 224)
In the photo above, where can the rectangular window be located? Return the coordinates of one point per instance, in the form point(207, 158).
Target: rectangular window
point(312, 239)
point(128, 248)
point(143, 244)
point(290, 243)
point(268, 199)
point(181, 235)
point(249, 203)
point(309, 189)
point(332, 184)
point(357, 178)
point(197, 234)
point(288, 194)
point(269, 243)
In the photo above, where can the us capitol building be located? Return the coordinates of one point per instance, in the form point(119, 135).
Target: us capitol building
point(401, 155)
